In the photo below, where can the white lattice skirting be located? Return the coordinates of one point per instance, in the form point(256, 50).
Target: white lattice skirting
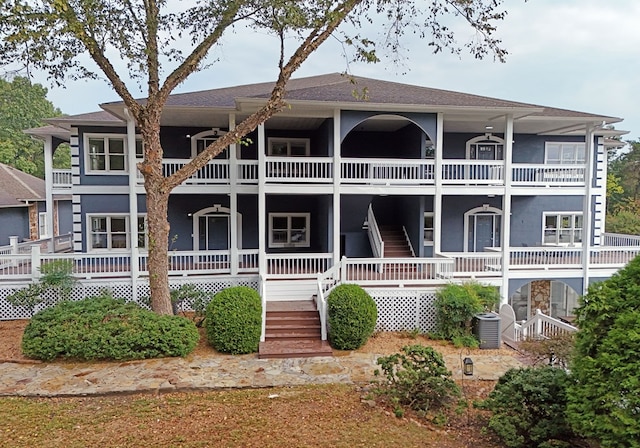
point(404, 309)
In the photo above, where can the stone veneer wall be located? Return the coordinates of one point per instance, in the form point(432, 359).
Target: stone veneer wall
point(541, 296)
point(33, 221)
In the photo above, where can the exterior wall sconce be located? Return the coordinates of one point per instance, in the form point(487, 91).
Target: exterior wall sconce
point(467, 366)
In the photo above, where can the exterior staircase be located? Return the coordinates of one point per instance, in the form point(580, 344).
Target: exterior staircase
point(293, 331)
point(395, 242)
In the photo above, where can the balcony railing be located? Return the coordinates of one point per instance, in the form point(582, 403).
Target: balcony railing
point(538, 175)
point(215, 172)
point(299, 169)
point(387, 171)
point(62, 178)
point(476, 172)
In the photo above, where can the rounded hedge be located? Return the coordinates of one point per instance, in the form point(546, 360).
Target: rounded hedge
point(233, 320)
point(102, 327)
point(352, 317)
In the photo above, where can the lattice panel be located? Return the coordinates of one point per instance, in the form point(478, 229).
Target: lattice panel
point(404, 309)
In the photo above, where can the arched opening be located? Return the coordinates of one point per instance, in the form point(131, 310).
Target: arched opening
point(485, 147)
point(553, 297)
point(212, 228)
point(482, 226)
point(201, 140)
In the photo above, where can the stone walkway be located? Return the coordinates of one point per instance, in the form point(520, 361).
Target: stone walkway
point(209, 373)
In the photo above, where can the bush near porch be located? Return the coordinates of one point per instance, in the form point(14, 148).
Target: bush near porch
point(352, 317)
point(103, 327)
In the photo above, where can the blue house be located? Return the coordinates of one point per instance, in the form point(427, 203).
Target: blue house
point(402, 192)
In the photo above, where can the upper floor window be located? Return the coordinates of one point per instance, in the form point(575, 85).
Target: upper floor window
point(564, 153)
point(428, 228)
point(202, 140)
point(288, 147)
point(107, 153)
point(562, 228)
point(111, 232)
point(289, 229)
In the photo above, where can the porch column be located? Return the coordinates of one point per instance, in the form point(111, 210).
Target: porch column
point(233, 200)
point(587, 215)
point(48, 183)
point(262, 203)
point(437, 198)
point(337, 157)
point(133, 203)
point(506, 207)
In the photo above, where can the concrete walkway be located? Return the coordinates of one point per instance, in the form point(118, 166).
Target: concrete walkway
point(210, 373)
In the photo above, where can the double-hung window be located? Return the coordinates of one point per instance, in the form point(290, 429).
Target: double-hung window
point(289, 229)
point(562, 228)
point(112, 232)
point(288, 147)
point(567, 153)
point(107, 153)
point(428, 229)
point(43, 228)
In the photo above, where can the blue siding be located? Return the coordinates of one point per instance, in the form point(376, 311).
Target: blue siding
point(65, 217)
point(14, 221)
point(526, 215)
point(453, 210)
point(349, 120)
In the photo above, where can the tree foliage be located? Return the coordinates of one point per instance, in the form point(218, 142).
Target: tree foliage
point(24, 105)
point(55, 36)
point(623, 191)
point(604, 397)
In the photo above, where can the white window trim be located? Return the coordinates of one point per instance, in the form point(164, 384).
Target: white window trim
point(211, 133)
point(288, 141)
point(546, 152)
point(216, 210)
point(484, 210)
point(426, 242)
point(484, 138)
point(43, 225)
point(560, 214)
point(305, 243)
point(106, 137)
point(128, 233)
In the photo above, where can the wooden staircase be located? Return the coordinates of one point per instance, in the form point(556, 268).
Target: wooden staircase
point(395, 242)
point(293, 331)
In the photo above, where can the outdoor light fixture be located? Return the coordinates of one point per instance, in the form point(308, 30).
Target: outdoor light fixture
point(467, 366)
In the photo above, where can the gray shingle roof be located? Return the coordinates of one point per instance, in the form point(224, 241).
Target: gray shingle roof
point(16, 187)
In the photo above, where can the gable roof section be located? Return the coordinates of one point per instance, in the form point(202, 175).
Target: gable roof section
point(17, 187)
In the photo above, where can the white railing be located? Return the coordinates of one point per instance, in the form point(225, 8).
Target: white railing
point(542, 175)
point(248, 261)
point(375, 239)
point(247, 171)
point(397, 271)
point(299, 169)
point(476, 172)
point(387, 171)
point(297, 265)
point(474, 264)
point(547, 257)
point(541, 326)
point(214, 172)
point(619, 240)
point(62, 178)
point(408, 240)
point(612, 257)
point(262, 286)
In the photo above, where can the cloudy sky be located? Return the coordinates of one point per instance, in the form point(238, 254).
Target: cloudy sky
point(575, 54)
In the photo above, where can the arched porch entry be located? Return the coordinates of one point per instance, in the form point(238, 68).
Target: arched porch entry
point(483, 228)
point(553, 297)
point(212, 228)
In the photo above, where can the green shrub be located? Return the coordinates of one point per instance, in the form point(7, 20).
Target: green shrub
point(457, 304)
point(417, 378)
point(528, 407)
point(233, 320)
point(352, 317)
point(604, 402)
point(188, 295)
point(106, 328)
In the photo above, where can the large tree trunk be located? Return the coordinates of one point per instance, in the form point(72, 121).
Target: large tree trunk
point(158, 264)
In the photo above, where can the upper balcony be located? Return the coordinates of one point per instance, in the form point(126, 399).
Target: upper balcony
point(380, 172)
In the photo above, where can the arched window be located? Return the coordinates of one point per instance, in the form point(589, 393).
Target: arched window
point(203, 139)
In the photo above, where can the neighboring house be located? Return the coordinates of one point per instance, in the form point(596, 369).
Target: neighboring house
point(22, 206)
point(401, 193)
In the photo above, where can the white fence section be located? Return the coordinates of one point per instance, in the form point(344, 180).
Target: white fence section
point(476, 172)
point(299, 266)
point(387, 171)
point(474, 264)
point(299, 169)
point(620, 240)
point(397, 271)
point(543, 175)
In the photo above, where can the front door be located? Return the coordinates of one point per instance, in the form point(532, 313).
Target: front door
point(484, 231)
point(213, 232)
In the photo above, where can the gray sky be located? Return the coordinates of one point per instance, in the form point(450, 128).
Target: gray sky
point(575, 54)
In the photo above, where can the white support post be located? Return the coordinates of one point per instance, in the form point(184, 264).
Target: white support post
point(437, 198)
point(506, 208)
point(35, 262)
point(233, 201)
point(587, 215)
point(337, 157)
point(262, 206)
point(133, 203)
point(48, 182)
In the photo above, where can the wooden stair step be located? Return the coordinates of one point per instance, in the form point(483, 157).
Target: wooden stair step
point(294, 348)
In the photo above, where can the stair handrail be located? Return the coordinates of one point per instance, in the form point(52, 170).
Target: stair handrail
point(543, 326)
point(326, 282)
point(375, 238)
point(262, 285)
point(406, 236)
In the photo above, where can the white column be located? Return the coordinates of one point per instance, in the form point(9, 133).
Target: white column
point(437, 198)
point(133, 202)
point(506, 207)
point(587, 215)
point(262, 205)
point(337, 157)
point(48, 183)
point(233, 199)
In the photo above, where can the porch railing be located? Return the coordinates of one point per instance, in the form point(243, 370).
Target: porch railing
point(474, 264)
point(296, 265)
point(394, 271)
point(541, 175)
point(299, 169)
point(375, 239)
point(476, 172)
point(213, 173)
point(62, 178)
point(541, 326)
point(619, 240)
point(387, 171)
